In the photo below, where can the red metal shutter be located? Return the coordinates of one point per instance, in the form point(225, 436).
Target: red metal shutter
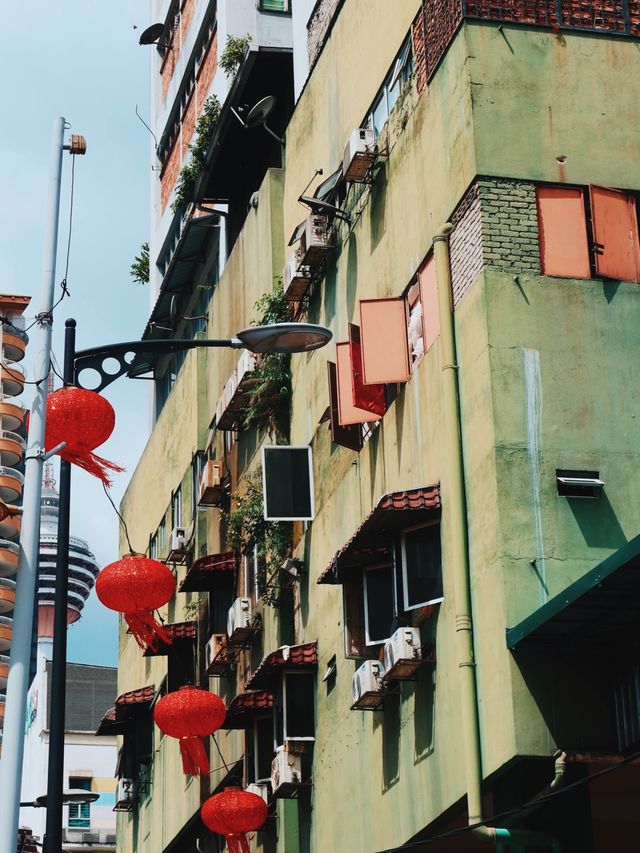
point(615, 233)
point(429, 299)
point(371, 398)
point(385, 344)
point(346, 436)
point(347, 412)
point(562, 228)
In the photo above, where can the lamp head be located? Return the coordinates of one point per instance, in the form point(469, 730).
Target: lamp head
point(284, 337)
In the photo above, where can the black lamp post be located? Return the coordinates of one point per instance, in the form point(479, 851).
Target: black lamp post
point(277, 337)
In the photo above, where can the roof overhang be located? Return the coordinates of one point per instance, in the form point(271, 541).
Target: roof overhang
point(205, 571)
point(599, 609)
point(177, 631)
point(245, 707)
point(303, 656)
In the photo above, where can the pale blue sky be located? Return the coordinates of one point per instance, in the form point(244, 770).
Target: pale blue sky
point(81, 59)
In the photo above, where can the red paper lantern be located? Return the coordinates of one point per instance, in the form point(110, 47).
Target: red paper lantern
point(232, 813)
point(85, 420)
point(136, 586)
point(190, 714)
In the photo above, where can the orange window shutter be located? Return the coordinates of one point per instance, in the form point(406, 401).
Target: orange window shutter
point(429, 298)
point(371, 398)
point(347, 412)
point(346, 436)
point(384, 340)
point(562, 224)
point(615, 233)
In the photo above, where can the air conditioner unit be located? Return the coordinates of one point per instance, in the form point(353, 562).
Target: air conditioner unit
point(260, 789)
point(125, 795)
point(216, 655)
point(90, 837)
point(286, 772)
point(367, 686)
point(110, 838)
point(314, 242)
point(240, 620)
point(73, 836)
point(359, 155)
point(211, 486)
point(296, 279)
point(404, 645)
point(177, 542)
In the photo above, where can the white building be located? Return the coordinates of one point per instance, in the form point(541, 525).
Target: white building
point(89, 761)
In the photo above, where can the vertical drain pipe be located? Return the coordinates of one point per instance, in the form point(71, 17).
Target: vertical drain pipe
point(458, 563)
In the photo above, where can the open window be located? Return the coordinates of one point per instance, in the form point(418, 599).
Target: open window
point(259, 749)
point(347, 436)
point(384, 341)
point(295, 707)
point(615, 233)
point(421, 566)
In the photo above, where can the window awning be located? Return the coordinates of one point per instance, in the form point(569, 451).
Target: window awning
point(304, 656)
point(244, 708)
point(177, 631)
point(393, 512)
point(116, 719)
point(599, 609)
point(203, 573)
point(108, 724)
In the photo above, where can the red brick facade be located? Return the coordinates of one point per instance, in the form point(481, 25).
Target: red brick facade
point(170, 174)
point(438, 21)
point(207, 70)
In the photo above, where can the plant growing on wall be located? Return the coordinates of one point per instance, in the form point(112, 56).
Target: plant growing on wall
point(191, 171)
point(247, 529)
point(234, 52)
point(270, 395)
point(140, 266)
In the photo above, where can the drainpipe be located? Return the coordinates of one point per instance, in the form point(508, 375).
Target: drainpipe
point(458, 566)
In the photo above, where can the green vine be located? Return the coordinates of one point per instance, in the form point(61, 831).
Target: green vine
point(140, 266)
point(270, 395)
point(234, 52)
point(191, 171)
point(247, 528)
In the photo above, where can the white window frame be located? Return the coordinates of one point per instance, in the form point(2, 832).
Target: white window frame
point(386, 565)
point(153, 550)
point(405, 588)
point(176, 507)
point(285, 675)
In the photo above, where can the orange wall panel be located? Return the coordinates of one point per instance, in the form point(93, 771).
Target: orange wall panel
point(385, 344)
point(615, 228)
point(347, 412)
point(564, 246)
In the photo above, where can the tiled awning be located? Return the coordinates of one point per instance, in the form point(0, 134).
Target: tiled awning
point(116, 719)
point(202, 574)
point(109, 725)
point(177, 631)
point(393, 512)
point(244, 708)
point(304, 656)
point(600, 609)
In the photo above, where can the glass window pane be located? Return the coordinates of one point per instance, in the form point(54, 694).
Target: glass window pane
point(394, 92)
point(274, 5)
point(380, 114)
point(422, 566)
point(263, 747)
point(301, 700)
point(378, 600)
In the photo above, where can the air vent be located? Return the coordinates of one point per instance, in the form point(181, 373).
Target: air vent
point(579, 484)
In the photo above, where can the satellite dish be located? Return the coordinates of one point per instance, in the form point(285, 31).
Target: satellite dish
point(317, 205)
point(260, 113)
point(152, 34)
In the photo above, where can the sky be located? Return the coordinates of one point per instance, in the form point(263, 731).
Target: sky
point(80, 59)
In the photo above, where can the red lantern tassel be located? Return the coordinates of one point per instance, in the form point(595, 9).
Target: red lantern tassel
point(194, 757)
point(91, 462)
point(146, 630)
point(238, 843)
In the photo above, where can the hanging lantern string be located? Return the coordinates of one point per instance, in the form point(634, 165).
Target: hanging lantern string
point(122, 521)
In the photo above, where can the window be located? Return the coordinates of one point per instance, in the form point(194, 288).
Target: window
point(176, 508)
point(287, 479)
point(391, 88)
point(80, 813)
point(295, 707)
point(383, 335)
point(421, 566)
point(153, 547)
point(162, 536)
point(379, 603)
point(180, 664)
point(197, 465)
point(582, 235)
point(220, 600)
point(259, 749)
point(275, 6)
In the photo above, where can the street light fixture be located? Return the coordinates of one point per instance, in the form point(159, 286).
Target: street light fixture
point(74, 796)
point(133, 358)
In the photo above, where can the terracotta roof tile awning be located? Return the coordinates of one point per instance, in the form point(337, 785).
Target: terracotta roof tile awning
point(393, 512)
point(202, 574)
point(177, 631)
point(244, 708)
point(304, 656)
point(126, 703)
point(108, 724)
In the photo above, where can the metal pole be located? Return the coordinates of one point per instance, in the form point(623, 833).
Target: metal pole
point(18, 680)
point(57, 685)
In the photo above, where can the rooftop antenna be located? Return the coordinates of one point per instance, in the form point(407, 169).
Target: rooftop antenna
point(257, 116)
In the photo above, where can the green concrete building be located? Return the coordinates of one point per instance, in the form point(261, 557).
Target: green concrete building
point(439, 649)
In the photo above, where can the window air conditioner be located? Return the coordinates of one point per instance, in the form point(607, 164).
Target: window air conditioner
point(215, 654)
point(314, 242)
point(260, 789)
point(359, 155)
point(368, 689)
point(240, 619)
point(211, 487)
point(296, 279)
point(286, 772)
point(90, 837)
point(404, 645)
point(125, 794)
point(177, 543)
point(73, 836)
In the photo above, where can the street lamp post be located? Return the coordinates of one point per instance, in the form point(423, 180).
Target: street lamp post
point(277, 337)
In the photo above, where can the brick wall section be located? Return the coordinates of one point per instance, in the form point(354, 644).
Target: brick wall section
point(319, 24)
point(186, 14)
point(419, 52)
point(170, 174)
point(188, 124)
point(496, 225)
point(465, 244)
point(207, 71)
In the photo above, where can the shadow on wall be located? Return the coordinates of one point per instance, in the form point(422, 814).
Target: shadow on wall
point(329, 290)
point(598, 522)
point(391, 740)
point(352, 275)
point(378, 207)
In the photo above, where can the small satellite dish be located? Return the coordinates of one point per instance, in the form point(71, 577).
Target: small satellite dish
point(317, 205)
point(152, 34)
point(260, 113)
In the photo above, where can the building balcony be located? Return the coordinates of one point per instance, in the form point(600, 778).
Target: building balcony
point(6, 633)
point(12, 447)
point(14, 343)
point(4, 671)
point(11, 414)
point(7, 595)
point(11, 483)
point(9, 556)
point(11, 380)
point(235, 397)
point(10, 524)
